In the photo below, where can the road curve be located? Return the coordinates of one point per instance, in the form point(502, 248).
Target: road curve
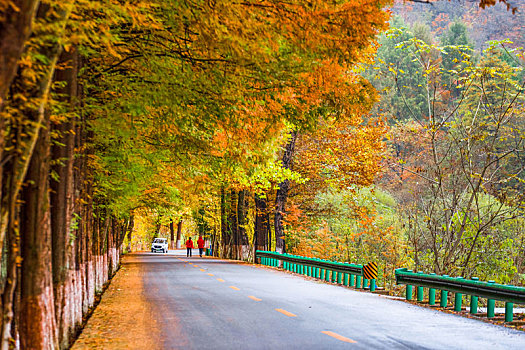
point(206, 303)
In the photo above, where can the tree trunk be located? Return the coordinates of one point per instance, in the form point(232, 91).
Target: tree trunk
point(158, 225)
point(242, 212)
point(282, 194)
point(12, 275)
point(172, 234)
point(130, 232)
point(62, 200)
point(261, 223)
point(233, 226)
point(27, 131)
point(15, 29)
point(179, 234)
point(37, 327)
point(36, 324)
point(225, 231)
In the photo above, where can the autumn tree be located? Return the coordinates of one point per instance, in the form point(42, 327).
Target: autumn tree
point(462, 197)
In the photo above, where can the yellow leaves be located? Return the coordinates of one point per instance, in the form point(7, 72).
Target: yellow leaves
point(5, 4)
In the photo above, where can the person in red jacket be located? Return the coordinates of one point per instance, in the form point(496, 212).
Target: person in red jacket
point(189, 247)
point(200, 244)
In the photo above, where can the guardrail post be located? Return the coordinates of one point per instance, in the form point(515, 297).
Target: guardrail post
point(474, 300)
point(409, 292)
point(444, 298)
point(318, 272)
point(358, 282)
point(365, 283)
point(457, 301)
point(327, 275)
point(491, 305)
point(419, 294)
point(352, 280)
point(346, 278)
point(373, 285)
point(508, 311)
point(473, 304)
point(339, 275)
point(431, 296)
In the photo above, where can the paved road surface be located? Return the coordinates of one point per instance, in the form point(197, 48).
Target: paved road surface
point(205, 303)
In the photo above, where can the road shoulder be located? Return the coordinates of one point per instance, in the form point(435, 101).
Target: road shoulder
point(123, 318)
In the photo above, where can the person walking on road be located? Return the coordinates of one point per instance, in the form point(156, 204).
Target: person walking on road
point(189, 247)
point(200, 244)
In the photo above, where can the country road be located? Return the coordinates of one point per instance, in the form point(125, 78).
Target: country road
point(206, 303)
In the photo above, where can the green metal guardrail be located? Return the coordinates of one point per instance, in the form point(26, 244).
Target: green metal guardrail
point(342, 273)
point(459, 285)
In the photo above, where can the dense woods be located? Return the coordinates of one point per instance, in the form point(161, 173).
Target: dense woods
point(289, 126)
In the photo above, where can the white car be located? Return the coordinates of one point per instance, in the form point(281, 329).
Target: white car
point(159, 245)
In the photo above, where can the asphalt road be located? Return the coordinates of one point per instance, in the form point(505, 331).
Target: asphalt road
point(205, 303)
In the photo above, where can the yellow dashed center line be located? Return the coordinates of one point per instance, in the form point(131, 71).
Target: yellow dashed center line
point(220, 280)
point(210, 274)
point(234, 288)
point(284, 312)
point(254, 298)
point(196, 265)
point(339, 337)
point(203, 270)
